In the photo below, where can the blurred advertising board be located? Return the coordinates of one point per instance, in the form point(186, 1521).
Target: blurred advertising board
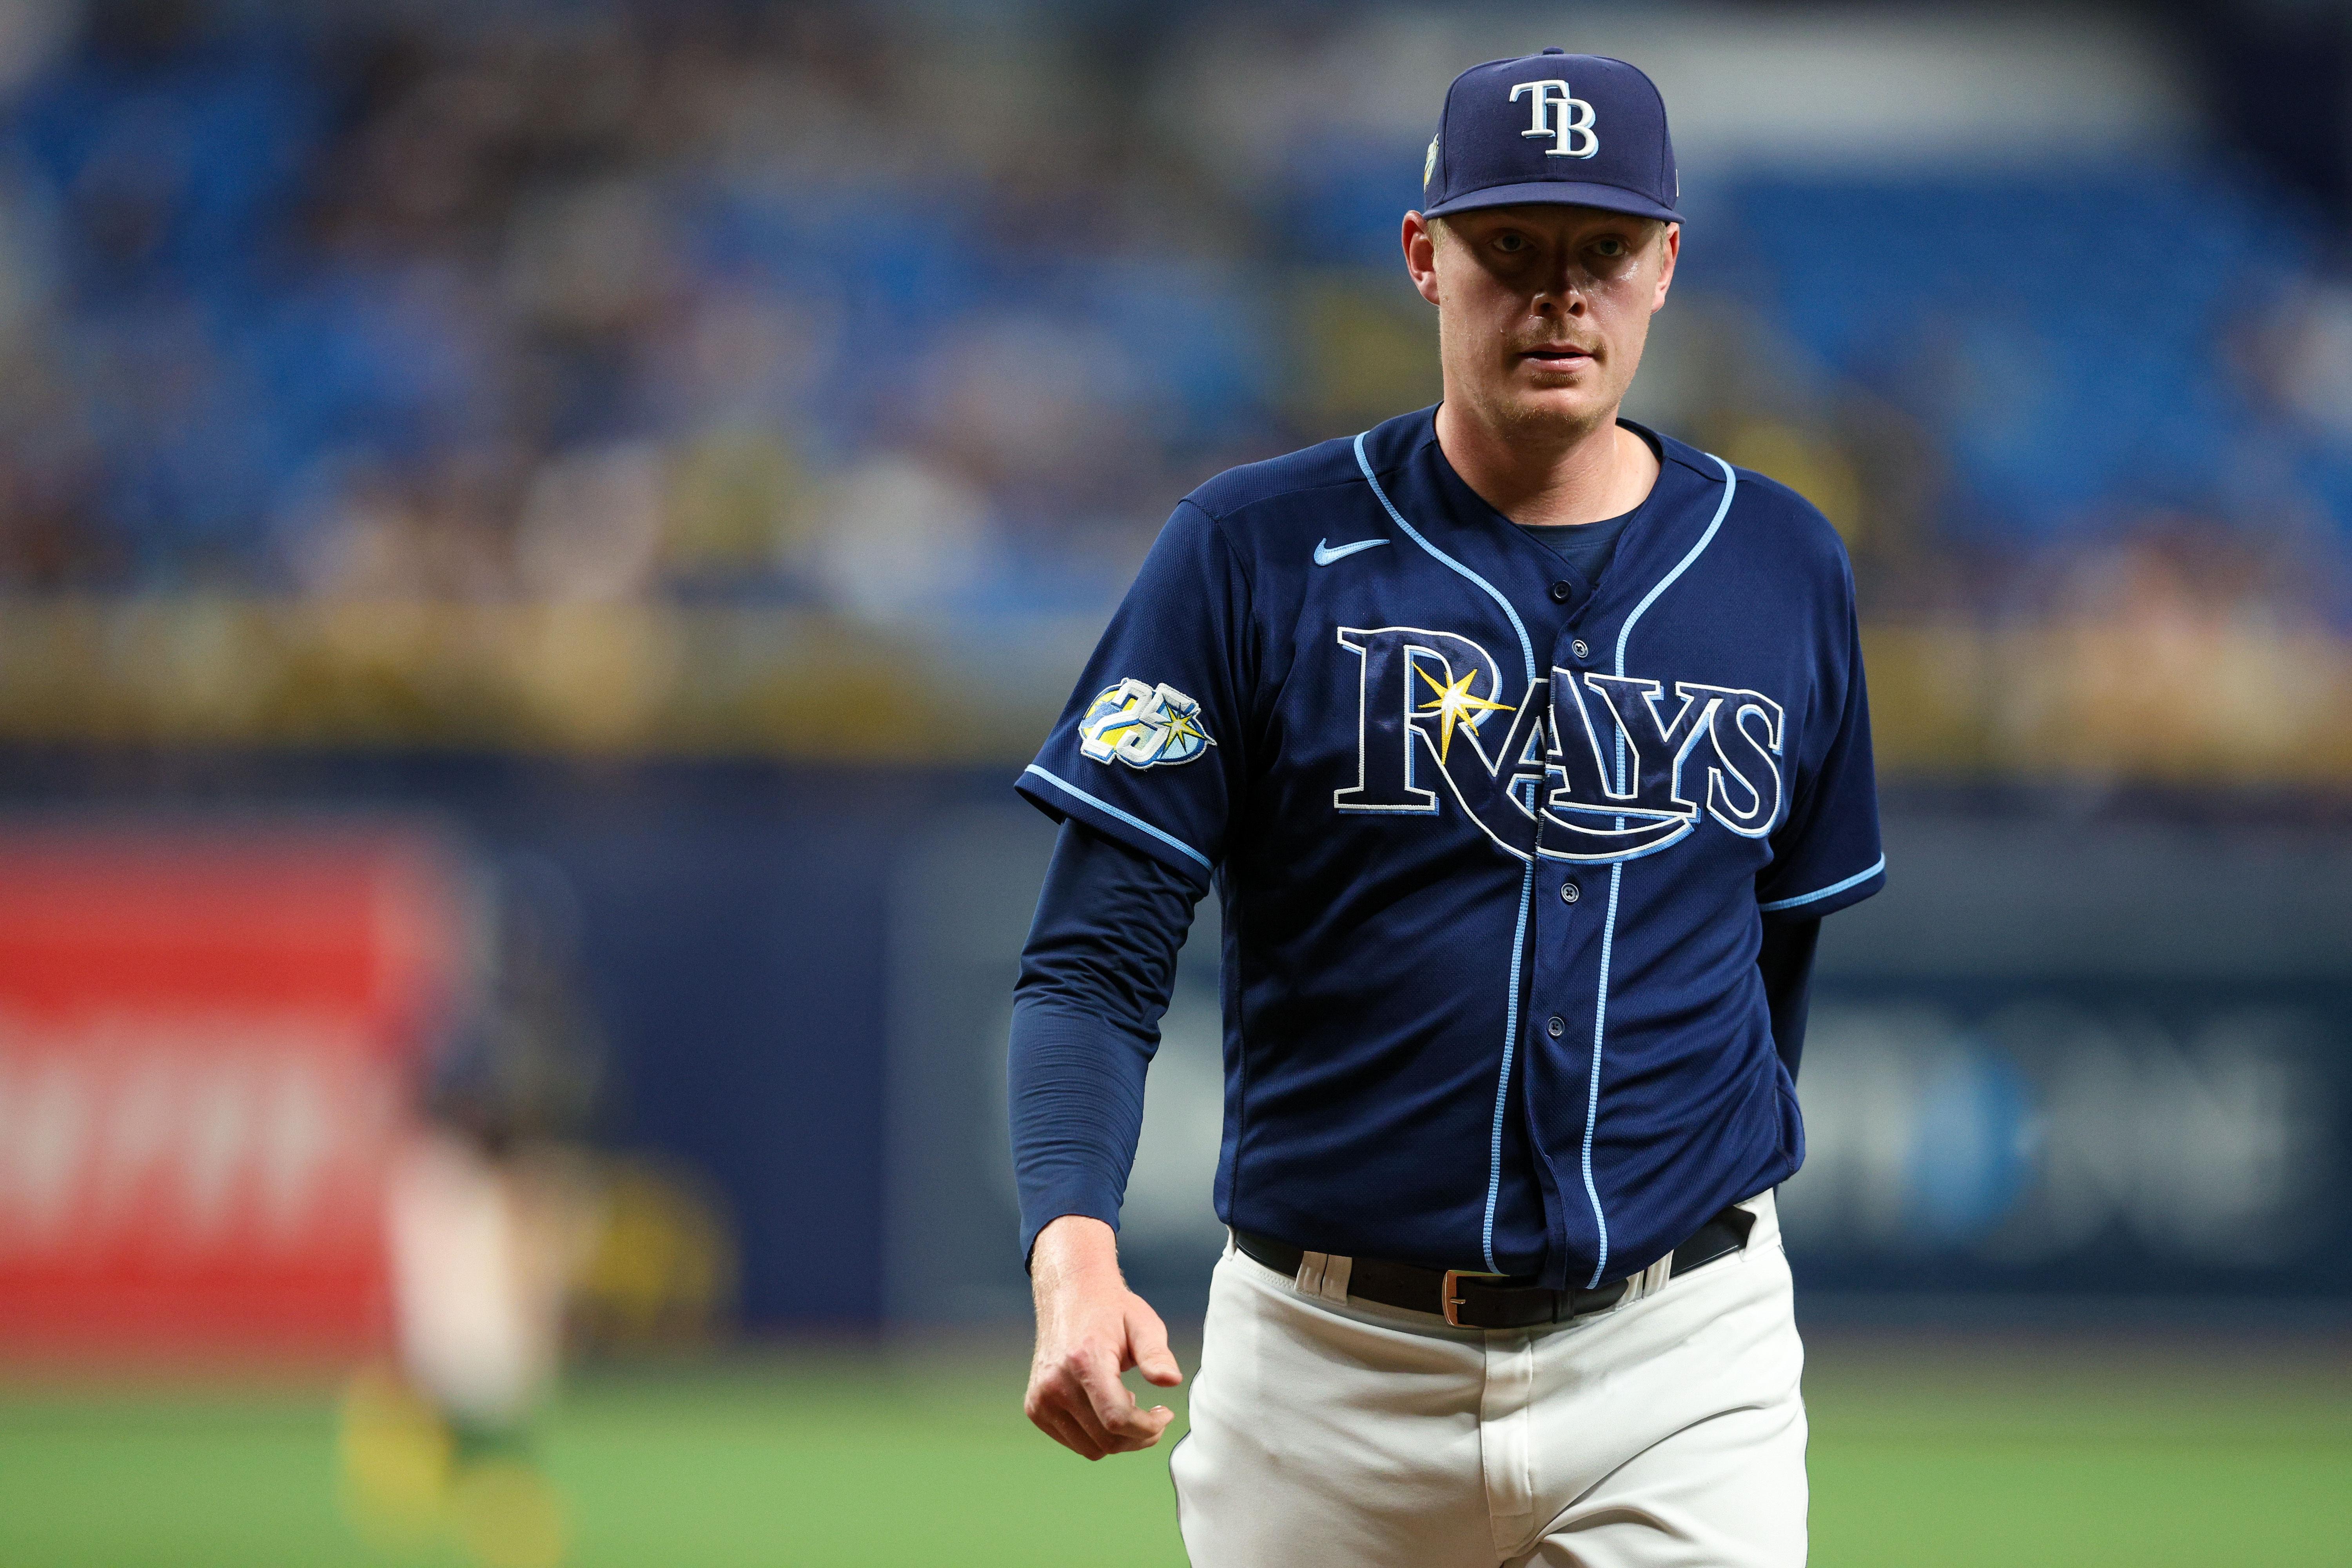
point(706, 942)
point(2085, 1059)
point(207, 1041)
point(2155, 1139)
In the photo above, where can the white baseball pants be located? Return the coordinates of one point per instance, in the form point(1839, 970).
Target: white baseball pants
point(1665, 1433)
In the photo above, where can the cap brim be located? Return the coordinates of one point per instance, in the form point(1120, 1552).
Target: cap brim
point(1557, 193)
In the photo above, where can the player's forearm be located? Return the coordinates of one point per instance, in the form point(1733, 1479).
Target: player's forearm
point(1076, 1082)
point(1095, 979)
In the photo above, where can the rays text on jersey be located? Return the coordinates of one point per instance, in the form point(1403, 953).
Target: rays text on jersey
point(1586, 767)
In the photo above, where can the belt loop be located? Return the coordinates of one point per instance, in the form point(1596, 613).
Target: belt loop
point(1324, 1275)
point(1650, 1280)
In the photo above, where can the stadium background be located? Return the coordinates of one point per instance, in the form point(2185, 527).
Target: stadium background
point(533, 537)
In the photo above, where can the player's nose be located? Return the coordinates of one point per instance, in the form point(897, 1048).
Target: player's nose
point(1560, 301)
point(1560, 294)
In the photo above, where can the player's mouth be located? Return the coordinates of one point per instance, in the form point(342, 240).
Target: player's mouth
point(1558, 356)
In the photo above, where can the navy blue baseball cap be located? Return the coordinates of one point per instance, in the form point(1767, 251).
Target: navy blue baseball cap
point(1578, 130)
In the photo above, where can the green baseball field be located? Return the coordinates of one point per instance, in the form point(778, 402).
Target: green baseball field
point(1925, 1453)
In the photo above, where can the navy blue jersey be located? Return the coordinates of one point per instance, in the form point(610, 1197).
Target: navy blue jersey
point(1494, 844)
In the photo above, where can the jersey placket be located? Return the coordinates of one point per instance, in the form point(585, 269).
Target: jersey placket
point(1561, 998)
point(1573, 946)
point(1546, 980)
point(1590, 641)
point(1562, 1021)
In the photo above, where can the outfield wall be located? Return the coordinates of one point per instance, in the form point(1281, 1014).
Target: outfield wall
point(2089, 1054)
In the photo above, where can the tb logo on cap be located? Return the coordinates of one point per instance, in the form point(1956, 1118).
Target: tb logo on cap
point(1573, 122)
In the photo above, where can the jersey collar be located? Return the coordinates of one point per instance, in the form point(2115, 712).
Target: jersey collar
point(1404, 452)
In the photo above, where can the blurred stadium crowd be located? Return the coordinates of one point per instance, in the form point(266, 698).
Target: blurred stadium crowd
point(784, 302)
point(816, 305)
point(920, 319)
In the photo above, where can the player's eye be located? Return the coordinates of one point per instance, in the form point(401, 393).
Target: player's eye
point(1609, 247)
point(1510, 244)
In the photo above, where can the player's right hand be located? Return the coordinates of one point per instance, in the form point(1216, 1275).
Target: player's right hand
point(1090, 1329)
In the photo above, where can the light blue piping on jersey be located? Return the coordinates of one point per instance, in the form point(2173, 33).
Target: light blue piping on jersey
point(1526, 648)
point(1503, 1082)
point(1127, 816)
point(1617, 877)
point(1876, 866)
point(1527, 883)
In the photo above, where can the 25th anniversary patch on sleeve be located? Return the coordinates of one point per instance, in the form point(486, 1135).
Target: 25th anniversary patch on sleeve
point(1143, 726)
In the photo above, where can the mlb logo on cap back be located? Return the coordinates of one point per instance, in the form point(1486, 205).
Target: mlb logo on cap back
point(1581, 130)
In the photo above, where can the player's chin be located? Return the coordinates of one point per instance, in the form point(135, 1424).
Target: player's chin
point(1551, 400)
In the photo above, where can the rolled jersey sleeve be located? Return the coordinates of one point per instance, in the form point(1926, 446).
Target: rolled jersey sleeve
point(1827, 854)
point(1149, 750)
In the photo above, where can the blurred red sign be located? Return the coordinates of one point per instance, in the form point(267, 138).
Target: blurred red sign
point(207, 1039)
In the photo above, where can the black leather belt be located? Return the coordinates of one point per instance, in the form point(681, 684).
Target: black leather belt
point(1473, 1300)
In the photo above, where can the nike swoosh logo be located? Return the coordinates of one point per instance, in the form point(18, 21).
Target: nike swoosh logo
point(1325, 555)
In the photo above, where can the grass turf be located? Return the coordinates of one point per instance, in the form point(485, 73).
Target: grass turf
point(1925, 1453)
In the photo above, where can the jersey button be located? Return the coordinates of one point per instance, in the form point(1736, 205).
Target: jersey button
point(1557, 1027)
point(1562, 592)
point(1570, 892)
point(1579, 649)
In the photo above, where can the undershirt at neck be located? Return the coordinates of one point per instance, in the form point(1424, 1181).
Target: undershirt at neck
point(1587, 546)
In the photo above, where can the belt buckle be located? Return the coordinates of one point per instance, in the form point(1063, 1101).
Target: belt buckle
point(1448, 1300)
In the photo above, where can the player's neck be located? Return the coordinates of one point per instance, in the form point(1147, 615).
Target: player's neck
point(1579, 477)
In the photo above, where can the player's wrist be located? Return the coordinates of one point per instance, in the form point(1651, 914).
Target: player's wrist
point(1074, 1251)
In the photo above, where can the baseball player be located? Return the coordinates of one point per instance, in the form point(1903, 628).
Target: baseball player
point(1524, 749)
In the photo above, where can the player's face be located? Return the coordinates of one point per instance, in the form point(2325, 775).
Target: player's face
point(1541, 310)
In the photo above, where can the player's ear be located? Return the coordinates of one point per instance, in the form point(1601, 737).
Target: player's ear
point(1670, 247)
point(1421, 240)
